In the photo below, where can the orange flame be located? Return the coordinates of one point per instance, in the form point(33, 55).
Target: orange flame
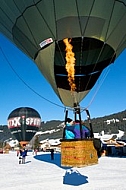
point(70, 63)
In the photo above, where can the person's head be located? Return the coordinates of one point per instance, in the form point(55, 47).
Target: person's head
point(68, 120)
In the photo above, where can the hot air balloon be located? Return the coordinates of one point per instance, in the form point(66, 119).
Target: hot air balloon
point(93, 31)
point(96, 29)
point(23, 123)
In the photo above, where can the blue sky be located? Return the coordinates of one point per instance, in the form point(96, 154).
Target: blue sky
point(22, 85)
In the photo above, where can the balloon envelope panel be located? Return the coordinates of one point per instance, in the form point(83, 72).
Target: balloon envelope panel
point(23, 123)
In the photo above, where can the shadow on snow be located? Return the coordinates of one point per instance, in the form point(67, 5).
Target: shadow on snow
point(71, 177)
point(47, 158)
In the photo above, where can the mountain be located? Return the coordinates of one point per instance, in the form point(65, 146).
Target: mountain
point(54, 129)
point(4, 133)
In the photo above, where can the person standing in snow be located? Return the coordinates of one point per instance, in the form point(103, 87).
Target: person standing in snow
point(20, 156)
point(18, 152)
point(24, 154)
point(52, 154)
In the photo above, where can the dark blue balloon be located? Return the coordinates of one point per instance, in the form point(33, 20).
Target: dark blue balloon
point(23, 123)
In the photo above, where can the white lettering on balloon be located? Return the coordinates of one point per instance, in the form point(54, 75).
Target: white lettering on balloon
point(17, 122)
point(14, 122)
point(33, 121)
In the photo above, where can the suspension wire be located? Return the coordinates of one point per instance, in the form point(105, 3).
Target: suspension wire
point(100, 84)
point(78, 16)
point(95, 64)
point(98, 88)
point(99, 56)
point(101, 48)
point(84, 33)
point(106, 40)
point(36, 47)
point(63, 60)
point(117, 23)
point(120, 44)
point(45, 21)
point(22, 14)
point(54, 7)
point(83, 36)
point(26, 83)
point(82, 39)
point(89, 16)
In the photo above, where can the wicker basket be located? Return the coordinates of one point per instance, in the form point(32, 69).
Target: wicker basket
point(78, 153)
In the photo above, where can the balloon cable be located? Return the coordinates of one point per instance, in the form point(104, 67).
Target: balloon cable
point(26, 83)
point(99, 86)
point(68, 108)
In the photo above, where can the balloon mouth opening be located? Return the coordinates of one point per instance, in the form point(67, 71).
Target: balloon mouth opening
point(87, 69)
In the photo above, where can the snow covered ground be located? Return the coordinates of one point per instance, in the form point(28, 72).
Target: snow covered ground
point(42, 173)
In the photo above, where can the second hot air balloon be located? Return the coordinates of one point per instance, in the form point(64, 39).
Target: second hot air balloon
point(23, 123)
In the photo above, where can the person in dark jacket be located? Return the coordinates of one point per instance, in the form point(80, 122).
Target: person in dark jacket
point(24, 154)
point(52, 154)
point(20, 156)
